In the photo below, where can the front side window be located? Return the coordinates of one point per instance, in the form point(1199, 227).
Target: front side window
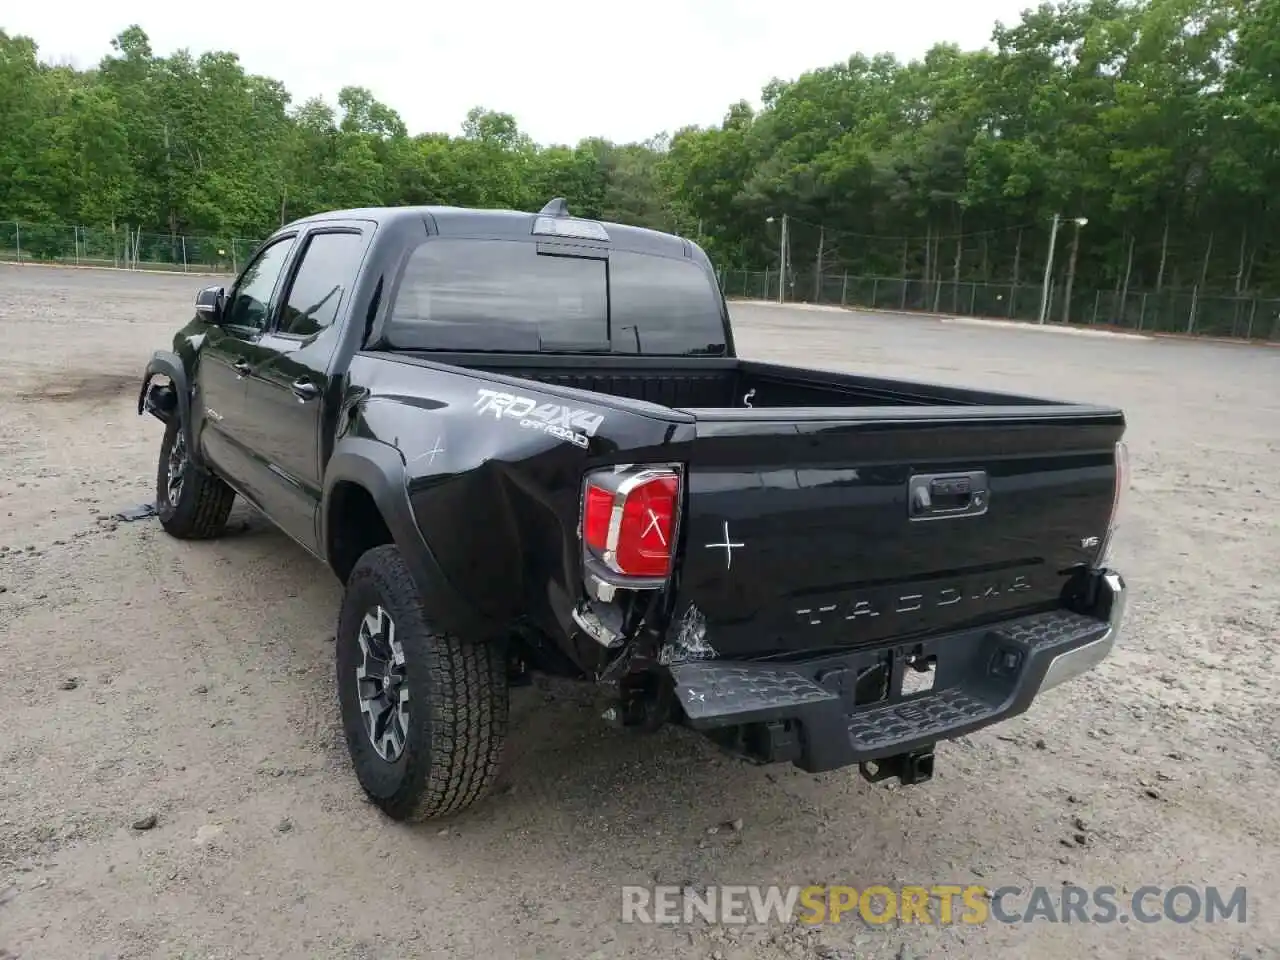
point(322, 281)
point(500, 295)
point(250, 305)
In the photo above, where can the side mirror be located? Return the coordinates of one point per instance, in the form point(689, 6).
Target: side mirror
point(209, 304)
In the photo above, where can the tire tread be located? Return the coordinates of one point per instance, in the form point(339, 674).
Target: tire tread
point(467, 703)
point(204, 504)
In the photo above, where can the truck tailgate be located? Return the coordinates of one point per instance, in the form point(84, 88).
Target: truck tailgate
point(810, 530)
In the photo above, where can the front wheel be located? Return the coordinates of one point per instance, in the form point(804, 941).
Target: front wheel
point(424, 713)
point(192, 503)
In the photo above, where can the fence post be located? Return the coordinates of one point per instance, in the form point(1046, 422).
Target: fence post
point(973, 297)
point(1142, 312)
point(1191, 318)
point(1097, 296)
point(17, 239)
point(1248, 334)
point(1013, 295)
point(844, 288)
point(184, 253)
point(75, 243)
point(875, 291)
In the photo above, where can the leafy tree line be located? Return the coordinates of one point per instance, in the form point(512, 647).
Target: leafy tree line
point(1158, 121)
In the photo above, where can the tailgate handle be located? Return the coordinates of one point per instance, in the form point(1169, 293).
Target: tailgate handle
point(938, 496)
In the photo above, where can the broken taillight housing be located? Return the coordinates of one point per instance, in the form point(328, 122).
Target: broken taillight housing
point(1117, 499)
point(629, 522)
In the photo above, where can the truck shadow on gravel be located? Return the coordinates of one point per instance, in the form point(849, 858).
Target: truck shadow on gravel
point(627, 807)
point(663, 808)
point(655, 805)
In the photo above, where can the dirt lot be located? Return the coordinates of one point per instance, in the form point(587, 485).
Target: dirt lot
point(142, 677)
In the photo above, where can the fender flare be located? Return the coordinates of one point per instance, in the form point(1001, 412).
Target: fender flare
point(169, 364)
point(380, 470)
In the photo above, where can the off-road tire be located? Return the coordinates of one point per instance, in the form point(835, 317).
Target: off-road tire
point(458, 700)
point(204, 501)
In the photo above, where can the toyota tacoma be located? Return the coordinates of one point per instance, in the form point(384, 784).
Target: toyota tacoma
point(525, 444)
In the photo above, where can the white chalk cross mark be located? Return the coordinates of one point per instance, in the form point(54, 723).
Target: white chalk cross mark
point(431, 454)
point(656, 527)
point(727, 546)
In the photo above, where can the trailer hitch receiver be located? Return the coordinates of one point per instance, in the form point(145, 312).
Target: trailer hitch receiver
point(910, 768)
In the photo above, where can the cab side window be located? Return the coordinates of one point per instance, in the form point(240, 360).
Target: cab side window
point(321, 283)
point(250, 305)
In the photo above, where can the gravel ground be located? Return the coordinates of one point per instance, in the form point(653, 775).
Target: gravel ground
point(173, 781)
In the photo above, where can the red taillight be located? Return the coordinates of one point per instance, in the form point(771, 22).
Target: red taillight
point(648, 519)
point(597, 511)
point(629, 520)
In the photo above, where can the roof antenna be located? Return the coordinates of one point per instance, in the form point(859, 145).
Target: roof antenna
point(555, 208)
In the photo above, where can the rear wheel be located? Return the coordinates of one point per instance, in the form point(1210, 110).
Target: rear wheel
point(424, 713)
point(192, 503)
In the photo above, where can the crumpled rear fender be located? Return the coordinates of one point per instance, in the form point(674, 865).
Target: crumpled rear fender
point(380, 470)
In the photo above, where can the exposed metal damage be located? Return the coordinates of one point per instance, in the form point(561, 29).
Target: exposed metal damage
point(590, 622)
point(687, 639)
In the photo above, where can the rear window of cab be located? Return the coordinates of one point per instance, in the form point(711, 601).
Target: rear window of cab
point(522, 296)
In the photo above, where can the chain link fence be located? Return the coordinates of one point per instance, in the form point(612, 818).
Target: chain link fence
point(1169, 311)
point(123, 247)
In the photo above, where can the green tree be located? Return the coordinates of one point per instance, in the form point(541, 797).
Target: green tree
point(1156, 119)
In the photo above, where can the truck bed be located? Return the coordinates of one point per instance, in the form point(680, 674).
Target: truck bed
point(727, 383)
point(812, 471)
point(827, 511)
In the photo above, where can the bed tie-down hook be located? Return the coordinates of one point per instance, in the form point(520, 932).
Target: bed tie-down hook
point(746, 398)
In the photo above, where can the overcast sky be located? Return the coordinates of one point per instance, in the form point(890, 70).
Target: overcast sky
point(566, 69)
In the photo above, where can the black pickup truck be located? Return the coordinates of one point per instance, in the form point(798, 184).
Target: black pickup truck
point(525, 444)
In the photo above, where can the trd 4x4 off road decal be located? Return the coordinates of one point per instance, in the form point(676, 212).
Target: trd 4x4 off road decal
point(566, 423)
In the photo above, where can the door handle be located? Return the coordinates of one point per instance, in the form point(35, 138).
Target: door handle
point(241, 367)
point(305, 390)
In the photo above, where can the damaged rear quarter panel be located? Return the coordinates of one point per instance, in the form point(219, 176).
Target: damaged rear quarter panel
point(687, 638)
point(494, 469)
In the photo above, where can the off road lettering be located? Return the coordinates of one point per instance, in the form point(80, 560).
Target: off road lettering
point(565, 423)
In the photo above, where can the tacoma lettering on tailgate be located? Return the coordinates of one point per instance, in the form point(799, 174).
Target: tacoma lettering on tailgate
point(881, 602)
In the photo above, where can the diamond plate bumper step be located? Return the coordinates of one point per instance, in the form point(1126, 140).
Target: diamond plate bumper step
point(814, 708)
